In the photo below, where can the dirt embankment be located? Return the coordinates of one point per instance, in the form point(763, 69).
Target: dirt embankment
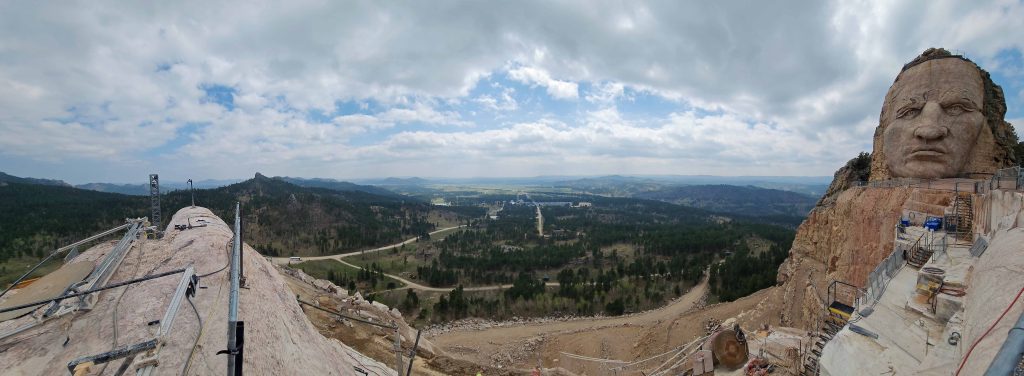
point(627, 338)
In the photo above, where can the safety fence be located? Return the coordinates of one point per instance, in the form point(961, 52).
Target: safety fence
point(883, 273)
point(1005, 179)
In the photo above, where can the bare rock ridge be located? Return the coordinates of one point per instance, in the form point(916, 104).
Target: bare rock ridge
point(279, 339)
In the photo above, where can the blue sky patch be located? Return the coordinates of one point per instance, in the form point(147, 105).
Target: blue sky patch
point(219, 94)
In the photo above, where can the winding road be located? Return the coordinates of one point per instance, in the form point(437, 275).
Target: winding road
point(284, 260)
point(408, 284)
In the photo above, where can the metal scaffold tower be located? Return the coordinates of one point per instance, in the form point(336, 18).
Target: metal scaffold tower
point(154, 200)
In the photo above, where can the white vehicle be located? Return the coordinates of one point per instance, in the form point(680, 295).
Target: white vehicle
point(294, 259)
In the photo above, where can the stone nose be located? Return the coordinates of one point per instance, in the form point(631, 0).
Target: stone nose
point(928, 127)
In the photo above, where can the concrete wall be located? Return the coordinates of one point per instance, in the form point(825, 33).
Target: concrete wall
point(997, 277)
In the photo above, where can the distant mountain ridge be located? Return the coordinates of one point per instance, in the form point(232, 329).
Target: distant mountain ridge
point(745, 200)
point(5, 178)
point(165, 186)
point(337, 185)
point(395, 181)
point(281, 217)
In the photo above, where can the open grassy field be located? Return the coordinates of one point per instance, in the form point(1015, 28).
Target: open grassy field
point(325, 269)
point(402, 261)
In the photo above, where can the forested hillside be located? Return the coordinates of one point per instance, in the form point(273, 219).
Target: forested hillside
point(278, 217)
point(35, 219)
point(743, 200)
point(338, 186)
point(615, 256)
point(5, 178)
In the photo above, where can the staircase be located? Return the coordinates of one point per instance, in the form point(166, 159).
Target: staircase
point(919, 255)
point(829, 327)
point(837, 315)
point(963, 209)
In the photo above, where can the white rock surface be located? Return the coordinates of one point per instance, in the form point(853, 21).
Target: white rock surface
point(279, 340)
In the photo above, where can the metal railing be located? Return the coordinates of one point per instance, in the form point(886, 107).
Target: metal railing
point(1008, 360)
point(879, 278)
point(1007, 179)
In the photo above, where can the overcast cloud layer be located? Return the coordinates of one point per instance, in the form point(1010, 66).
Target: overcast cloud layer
point(96, 91)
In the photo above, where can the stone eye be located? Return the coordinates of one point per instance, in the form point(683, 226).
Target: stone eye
point(908, 113)
point(955, 109)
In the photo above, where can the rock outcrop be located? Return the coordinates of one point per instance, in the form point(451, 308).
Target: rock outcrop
point(851, 230)
point(279, 339)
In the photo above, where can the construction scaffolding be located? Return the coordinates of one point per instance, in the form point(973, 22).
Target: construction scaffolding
point(84, 289)
point(154, 203)
point(72, 247)
point(149, 349)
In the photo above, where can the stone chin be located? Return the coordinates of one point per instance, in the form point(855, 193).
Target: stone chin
point(923, 167)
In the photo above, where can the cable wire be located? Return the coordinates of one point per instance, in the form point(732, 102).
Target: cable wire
point(188, 361)
point(968, 355)
point(228, 263)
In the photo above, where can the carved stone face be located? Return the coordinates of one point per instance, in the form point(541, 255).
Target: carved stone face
point(932, 119)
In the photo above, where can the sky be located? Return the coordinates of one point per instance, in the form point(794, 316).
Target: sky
point(99, 91)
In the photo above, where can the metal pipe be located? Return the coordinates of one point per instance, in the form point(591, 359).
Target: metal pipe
point(1009, 355)
point(233, 365)
point(102, 274)
point(87, 292)
point(241, 252)
point(64, 248)
point(412, 354)
point(172, 308)
point(398, 351)
point(118, 353)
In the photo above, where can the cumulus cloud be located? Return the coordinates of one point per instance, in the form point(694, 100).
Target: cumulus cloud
point(538, 77)
point(504, 102)
point(751, 88)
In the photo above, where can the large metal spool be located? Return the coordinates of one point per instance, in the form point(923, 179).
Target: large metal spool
point(728, 348)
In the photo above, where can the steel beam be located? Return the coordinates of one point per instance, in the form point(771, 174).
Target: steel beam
point(110, 263)
point(185, 285)
point(118, 353)
point(67, 247)
point(234, 351)
point(87, 292)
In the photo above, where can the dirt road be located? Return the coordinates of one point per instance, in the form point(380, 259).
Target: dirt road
point(626, 337)
point(408, 283)
point(284, 260)
point(417, 286)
